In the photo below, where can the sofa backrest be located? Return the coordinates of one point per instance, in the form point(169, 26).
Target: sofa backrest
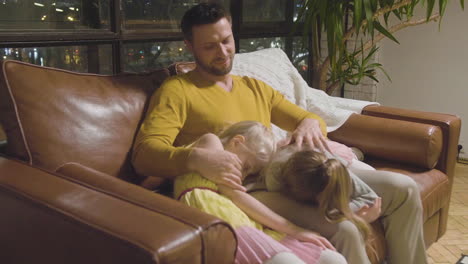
point(54, 116)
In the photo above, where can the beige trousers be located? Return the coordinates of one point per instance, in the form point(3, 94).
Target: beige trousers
point(401, 218)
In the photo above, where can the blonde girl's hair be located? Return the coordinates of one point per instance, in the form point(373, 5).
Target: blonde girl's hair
point(258, 138)
point(311, 177)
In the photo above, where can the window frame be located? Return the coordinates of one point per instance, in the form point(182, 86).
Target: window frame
point(117, 36)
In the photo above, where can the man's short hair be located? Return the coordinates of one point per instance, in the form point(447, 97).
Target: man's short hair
point(202, 14)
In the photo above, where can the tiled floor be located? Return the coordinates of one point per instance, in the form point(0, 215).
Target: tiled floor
point(455, 241)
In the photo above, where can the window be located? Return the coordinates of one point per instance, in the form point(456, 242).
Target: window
point(263, 11)
point(144, 56)
point(158, 15)
point(111, 36)
point(252, 44)
point(54, 14)
point(269, 24)
point(74, 58)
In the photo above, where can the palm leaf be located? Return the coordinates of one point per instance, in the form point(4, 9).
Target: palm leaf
point(369, 14)
point(442, 6)
point(430, 7)
point(372, 76)
point(384, 31)
point(397, 13)
point(331, 39)
point(357, 15)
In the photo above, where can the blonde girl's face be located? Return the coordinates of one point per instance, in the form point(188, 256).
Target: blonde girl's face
point(250, 163)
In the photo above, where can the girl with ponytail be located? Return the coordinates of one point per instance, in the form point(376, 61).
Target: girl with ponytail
point(323, 181)
point(311, 177)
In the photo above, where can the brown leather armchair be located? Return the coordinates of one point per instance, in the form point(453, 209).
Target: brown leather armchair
point(69, 195)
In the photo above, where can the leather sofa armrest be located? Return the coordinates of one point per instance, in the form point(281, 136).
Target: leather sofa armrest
point(181, 67)
point(449, 124)
point(3, 140)
point(64, 219)
point(401, 141)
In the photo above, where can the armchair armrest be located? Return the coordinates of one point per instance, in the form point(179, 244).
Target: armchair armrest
point(449, 124)
point(66, 219)
point(401, 141)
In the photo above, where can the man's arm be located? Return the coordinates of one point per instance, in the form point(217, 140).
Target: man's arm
point(154, 153)
point(306, 127)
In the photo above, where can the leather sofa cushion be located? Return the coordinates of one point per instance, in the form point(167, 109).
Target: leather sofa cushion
point(434, 185)
point(181, 67)
point(53, 116)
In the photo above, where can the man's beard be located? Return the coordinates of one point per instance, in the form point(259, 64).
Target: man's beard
point(214, 70)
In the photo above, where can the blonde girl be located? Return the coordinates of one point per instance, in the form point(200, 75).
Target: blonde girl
point(263, 236)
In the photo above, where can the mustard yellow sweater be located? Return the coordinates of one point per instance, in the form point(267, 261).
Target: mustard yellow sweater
point(186, 107)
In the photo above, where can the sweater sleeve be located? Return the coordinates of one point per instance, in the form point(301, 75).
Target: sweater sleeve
point(153, 151)
point(287, 115)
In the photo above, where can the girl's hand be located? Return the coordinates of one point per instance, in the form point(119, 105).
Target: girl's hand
point(370, 213)
point(314, 238)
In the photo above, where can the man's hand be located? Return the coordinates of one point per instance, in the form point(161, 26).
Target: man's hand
point(307, 132)
point(370, 213)
point(314, 238)
point(220, 166)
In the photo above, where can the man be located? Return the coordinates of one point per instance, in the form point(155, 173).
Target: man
point(208, 98)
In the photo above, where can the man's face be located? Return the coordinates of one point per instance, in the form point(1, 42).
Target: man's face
point(213, 47)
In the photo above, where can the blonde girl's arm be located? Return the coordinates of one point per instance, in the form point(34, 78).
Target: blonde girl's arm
point(264, 215)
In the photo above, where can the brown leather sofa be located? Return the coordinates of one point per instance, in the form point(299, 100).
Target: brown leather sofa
point(68, 193)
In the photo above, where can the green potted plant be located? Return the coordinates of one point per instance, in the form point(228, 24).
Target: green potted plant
point(363, 23)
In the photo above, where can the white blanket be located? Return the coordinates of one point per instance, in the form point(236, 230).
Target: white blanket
point(273, 67)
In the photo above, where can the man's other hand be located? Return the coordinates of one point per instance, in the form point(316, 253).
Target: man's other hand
point(220, 166)
point(308, 132)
